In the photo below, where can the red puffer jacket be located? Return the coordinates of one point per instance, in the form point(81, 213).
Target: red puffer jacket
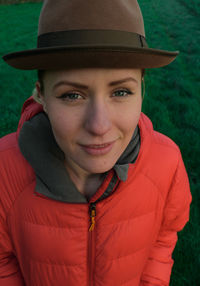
point(47, 242)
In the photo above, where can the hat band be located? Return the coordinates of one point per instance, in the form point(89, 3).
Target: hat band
point(91, 38)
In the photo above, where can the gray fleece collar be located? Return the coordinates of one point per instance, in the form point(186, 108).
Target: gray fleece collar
point(39, 147)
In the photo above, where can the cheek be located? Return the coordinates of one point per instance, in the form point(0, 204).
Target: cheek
point(129, 115)
point(64, 123)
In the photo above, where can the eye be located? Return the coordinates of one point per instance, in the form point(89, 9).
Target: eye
point(122, 93)
point(70, 96)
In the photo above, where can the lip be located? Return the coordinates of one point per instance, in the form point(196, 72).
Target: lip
point(98, 149)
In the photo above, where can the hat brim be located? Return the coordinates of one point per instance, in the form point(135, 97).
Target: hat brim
point(84, 57)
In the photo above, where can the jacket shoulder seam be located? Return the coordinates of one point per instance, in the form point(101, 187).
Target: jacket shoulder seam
point(154, 183)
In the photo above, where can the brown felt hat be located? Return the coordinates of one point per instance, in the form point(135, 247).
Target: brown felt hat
point(90, 33)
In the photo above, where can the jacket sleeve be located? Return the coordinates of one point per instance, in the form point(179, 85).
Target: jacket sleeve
point(158, 268)
point(10, 274)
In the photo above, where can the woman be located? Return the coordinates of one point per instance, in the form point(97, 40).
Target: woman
point(90, 193)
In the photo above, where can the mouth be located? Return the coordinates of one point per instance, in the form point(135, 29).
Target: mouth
point(98, 149)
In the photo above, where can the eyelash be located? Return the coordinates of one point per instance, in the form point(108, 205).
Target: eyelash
point(65, 96)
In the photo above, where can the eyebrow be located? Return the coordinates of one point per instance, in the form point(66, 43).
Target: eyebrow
point(79, 85)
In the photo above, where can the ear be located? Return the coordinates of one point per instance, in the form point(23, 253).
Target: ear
point(38, 95)
point(143, 88)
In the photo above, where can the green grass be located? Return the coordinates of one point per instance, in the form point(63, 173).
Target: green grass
point(172, 98)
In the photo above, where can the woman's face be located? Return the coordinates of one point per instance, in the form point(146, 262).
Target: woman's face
point(93, 120)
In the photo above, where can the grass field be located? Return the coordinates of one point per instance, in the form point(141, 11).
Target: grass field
point(172, 98)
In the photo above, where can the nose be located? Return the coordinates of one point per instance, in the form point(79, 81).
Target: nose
point(98, 118)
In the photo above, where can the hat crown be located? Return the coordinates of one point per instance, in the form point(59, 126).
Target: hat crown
point(66, 15)
point(90, 33)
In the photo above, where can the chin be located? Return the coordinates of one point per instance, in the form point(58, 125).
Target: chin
point(96, 168)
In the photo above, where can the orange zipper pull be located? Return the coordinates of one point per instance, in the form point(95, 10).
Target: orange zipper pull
point(92, 215)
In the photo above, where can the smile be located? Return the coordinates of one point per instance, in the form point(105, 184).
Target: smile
point(98, 149)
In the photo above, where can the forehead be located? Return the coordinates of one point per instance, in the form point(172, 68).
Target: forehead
point(91, 74)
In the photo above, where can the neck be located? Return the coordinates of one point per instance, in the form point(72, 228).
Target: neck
point(86, 183)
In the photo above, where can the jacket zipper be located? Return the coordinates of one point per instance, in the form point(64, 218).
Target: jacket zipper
point(91, 243)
